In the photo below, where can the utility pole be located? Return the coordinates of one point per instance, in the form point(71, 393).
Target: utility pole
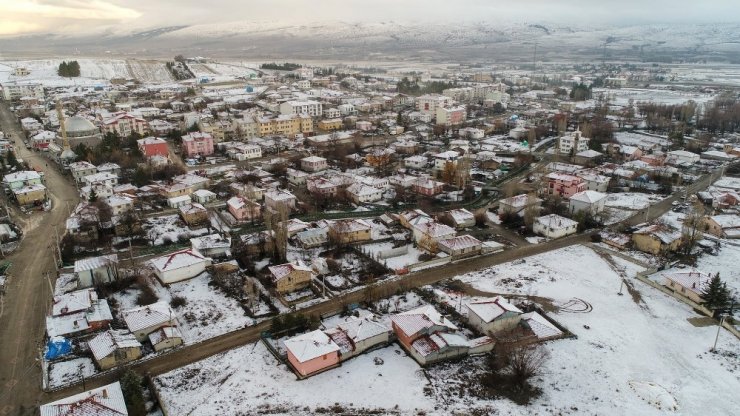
point(59, 249)
point(719, 328)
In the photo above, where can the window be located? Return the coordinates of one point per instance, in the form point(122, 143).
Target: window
point(324, 357)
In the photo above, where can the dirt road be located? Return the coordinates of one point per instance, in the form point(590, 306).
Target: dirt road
point(22, 322)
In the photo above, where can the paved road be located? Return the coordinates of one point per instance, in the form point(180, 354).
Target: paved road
point(28, 294)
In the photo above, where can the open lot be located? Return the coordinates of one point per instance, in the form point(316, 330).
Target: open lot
point(635, 354)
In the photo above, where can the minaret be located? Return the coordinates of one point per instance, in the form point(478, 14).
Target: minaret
point(60, 116)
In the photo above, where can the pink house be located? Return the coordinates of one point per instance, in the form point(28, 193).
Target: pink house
point(197, 144)
point(243, 209)
point(564, 185)
point(312, 352)
point(427, 186)
point(153, 146)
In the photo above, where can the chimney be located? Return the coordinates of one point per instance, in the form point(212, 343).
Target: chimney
point(105, 393)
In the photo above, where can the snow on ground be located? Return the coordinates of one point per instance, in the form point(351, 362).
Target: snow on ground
point(92, 71)
point(726, 263)
point(536, 240)
point(149, 71)
point(208, 312)
point(250, 377)
point(650, 343)
point(631, 200)
point(615, 215)
point(65, 372)
point(232, 69)
point(169, 227)
point(622, 96)
point(638, 356)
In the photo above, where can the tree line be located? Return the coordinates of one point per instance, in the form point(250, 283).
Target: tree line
point(287, 66)
point(69, 69)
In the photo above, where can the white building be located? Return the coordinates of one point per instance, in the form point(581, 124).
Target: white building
point(180, 265)
point(574, 142)
point(554, 226)
point(591, 202)
point(428, 104)
point(313, 163)
point(311, 108)
point(144, 320)
point(105, 400)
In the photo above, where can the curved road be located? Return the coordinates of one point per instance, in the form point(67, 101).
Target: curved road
point(22, 320)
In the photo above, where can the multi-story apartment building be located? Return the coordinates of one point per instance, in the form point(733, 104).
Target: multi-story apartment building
point(428, 103)
point(124, 124)
point(288, 125)
point(311, 108)
point(197, 144)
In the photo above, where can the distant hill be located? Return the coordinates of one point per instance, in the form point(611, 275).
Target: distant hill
point(400, 41)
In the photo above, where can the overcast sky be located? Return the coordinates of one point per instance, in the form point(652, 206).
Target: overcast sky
point(71, 16)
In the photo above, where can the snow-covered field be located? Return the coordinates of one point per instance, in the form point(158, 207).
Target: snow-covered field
point(169, 227)
point(631, 200)
point(208, 312)
point(638, 352)
point(233, 69)
point(726, 263)
point(149, 71)
point(622, 96)
point(250, 379)
point(92, 71)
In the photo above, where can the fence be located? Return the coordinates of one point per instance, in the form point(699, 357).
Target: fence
point(427, 264)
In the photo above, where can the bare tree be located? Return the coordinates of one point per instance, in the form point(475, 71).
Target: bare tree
point(693, 225)
point(525, 362)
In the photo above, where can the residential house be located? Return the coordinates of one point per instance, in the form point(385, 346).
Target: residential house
point(144, 320)
point(153, 146)
point(427, 186)
point(429, 338)
point(682, 158)
point(689, 283)
point(331, 124)
point(591, 202)
point(275, 199)
point(411, 218)
point(428, 234)
point(362, 194)
point(124, 124)
point(93, 271)
point(493, 315)
point(554, 226)
point(21, 179)
point(461, 218)
point(290, 277)
point(519, 204)
point(563, 185)
point(313, 164)
point(105, 400)
point(114, 347)
point(573, 143)
point(348, 231)
point(312, 352)
point(197, 144)
point(358, 334)
point(450, 116)
point(460, 246)
point(657, 238)
point(212, 245)
point(165, 338)
point(120, 204)
point(203, 196)
point(722, 226)
point(594, 181)
point(180, 265)
point(296, 177)
point(243, 209)
point(30, 195)
point(78, 312)
point(588, 157)
point(81, 169)
point(441, 160)
point(194, 214)
point(178, 202)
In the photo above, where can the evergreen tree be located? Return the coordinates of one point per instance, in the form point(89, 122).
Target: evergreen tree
point(132, 393)
point(93, 196)
point(715, 295)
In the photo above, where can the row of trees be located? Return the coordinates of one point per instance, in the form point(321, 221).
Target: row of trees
point(413, 87)
point(69, 69)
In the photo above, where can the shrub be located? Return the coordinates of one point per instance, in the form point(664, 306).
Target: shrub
point(133, 395)
point(178, 301)
point(147, 295)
